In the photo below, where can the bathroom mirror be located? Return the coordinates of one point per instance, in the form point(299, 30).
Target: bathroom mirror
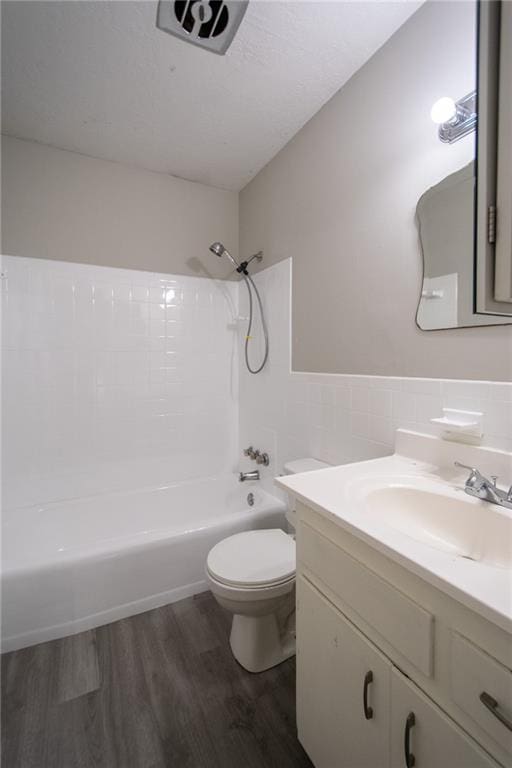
point(448, 213)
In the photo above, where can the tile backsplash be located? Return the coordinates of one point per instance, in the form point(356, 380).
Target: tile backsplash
point(341, 418)
point(114, 378)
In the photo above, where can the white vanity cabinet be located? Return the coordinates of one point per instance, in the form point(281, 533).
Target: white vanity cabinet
point(336, 667)
point(368, 696)
point(356, 710)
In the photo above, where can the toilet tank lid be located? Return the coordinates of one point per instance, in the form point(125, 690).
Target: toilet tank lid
point(304, 465)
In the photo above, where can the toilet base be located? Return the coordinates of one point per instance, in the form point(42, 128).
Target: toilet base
point(263, 626)
point(257, 643)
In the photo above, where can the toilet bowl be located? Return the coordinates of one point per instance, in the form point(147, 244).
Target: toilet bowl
point(252, 575)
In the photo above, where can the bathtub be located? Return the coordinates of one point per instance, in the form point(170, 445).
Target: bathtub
point(73, 565)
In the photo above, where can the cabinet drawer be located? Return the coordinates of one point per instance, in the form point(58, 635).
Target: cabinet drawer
point(404, 624)
point(474, 672)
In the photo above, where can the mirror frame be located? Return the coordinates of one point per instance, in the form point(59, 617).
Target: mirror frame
point(486, 310)
point(485, 305)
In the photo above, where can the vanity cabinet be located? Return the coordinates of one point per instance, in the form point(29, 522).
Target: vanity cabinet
point(356, 710)
point(343, 706)
point(368, 697)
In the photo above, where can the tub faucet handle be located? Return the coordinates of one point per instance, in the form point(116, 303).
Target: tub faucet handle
point(249, 451)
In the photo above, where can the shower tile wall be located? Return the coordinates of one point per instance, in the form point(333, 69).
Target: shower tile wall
point(125, 379)
point(114, 379)
point(340, 418)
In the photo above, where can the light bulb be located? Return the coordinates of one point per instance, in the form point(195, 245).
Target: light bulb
point(443, 110)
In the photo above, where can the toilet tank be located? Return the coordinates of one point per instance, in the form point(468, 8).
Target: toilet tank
point(294, 468)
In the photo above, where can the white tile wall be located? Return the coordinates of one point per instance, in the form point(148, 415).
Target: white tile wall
point(114, 378)
point(118, 378)
point(340, 418)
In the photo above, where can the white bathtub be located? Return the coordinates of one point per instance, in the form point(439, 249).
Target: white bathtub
point(73, 565)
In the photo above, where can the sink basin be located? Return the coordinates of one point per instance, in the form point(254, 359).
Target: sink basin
point(412, 508)
point(459, 525)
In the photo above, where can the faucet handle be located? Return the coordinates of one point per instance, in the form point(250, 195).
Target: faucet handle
point(474, 477)
point(465, 466)
point(494, 479)
point(249, 451)
point(474, 471)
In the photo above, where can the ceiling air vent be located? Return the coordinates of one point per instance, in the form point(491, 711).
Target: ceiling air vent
point(211, 24)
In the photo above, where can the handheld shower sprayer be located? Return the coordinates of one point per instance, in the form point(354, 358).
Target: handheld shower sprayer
point(220, 250)
point(217, 248)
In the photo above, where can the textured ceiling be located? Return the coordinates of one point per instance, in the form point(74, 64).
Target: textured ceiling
point(99, 78)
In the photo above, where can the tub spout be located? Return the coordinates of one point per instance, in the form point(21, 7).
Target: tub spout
point(254, 475)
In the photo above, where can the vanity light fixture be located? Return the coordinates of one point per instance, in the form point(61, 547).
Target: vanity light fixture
point(455, 118)
point(443, 110)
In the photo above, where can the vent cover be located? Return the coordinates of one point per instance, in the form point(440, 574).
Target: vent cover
point(211, 24)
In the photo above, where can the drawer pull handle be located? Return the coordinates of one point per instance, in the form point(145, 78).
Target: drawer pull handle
point(493, 707)
point(368, 711)
point(410, 760)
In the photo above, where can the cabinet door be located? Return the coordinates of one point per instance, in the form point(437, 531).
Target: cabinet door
point(335, 665)
point(435, 741)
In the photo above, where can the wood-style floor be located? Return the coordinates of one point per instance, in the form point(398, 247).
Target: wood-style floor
point(158, 689)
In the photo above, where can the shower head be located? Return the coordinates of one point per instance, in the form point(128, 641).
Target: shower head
point(218, 249)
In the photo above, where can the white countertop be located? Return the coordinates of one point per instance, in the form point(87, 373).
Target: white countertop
point(428, 464)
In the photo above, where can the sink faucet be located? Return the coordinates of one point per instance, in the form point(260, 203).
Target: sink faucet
point(254, 475)
point(480, 486)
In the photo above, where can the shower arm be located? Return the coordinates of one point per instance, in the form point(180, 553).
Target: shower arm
point(242, 268)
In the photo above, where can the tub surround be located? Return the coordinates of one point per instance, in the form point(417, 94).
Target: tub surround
point(114, 379)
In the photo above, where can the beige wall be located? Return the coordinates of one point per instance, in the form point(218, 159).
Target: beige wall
point(340, 199)
point(61, 205)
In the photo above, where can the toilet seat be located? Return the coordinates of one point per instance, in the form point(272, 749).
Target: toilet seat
point(253, 560)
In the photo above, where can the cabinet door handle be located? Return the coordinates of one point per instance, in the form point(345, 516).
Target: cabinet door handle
point(368, 711)
point(493, 707)
point(410, 760)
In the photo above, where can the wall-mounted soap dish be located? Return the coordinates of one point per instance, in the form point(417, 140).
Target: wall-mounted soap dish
point(462, 426)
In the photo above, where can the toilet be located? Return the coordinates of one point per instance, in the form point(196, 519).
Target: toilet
point(252, 575)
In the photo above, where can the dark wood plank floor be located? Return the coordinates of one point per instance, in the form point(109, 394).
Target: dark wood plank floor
point(158, 689)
